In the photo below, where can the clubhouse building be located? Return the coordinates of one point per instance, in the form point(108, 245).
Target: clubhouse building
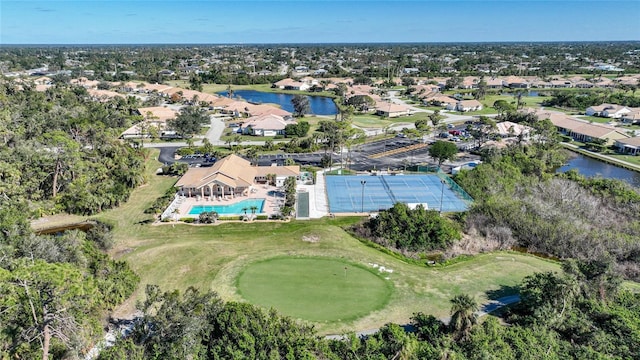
point(230, 177)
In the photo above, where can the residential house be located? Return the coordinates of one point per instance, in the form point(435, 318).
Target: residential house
point(494, 83)
point(561, 84)
point(509, 129)
point(607, 110)
point(441, 100)
point(103, 95)
point(629, 146)
point(469, 82)
point(632, 117)
point(266, 125)
point(466, 105)
point(586, 132)
point(541, 84)
point(616, 113)
point(154, 117)
point(391, 110)
point(515, 82)
point(290, 84)
point(84, 82)
point(229, 177)
point(583, 84)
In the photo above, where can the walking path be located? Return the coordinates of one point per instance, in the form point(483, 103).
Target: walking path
point(595, 155)
point(318, 205)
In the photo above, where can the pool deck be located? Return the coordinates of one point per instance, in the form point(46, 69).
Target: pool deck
point(271, 203)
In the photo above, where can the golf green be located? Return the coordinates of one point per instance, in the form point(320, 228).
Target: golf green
point(314, 289)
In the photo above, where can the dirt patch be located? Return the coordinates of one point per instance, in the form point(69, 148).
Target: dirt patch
point(124, 251)
point(311, 238)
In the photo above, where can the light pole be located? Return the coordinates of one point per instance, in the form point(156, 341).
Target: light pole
point(363, 183)
point(441, 195)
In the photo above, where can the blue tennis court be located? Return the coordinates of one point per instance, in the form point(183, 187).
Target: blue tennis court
point(346, 193)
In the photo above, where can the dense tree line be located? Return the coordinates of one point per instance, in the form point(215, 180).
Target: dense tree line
point(409, 230)
point(577, 314)
point(55, 288)
point(581, 101)
point(58, 149)
point(58, 153)
point(519, 201)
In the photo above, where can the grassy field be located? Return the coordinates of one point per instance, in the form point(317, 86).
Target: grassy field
point(374, 121)
point(317, 289)
point(214, 257)
point(633, 159)
point(595, 119)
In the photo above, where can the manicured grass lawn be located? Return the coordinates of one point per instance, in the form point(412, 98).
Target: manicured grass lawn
point(628, 158)
point(213, 257)
point(596, 119)
point(528, 101)
point(316, 289)
point(484, 111)
point(374, 121)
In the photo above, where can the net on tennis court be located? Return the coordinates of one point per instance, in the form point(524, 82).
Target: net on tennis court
point(358, 193)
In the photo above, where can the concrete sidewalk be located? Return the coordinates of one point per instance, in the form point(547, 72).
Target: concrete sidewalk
point(318, 205)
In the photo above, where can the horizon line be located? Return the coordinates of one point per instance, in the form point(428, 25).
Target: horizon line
point(325, 43)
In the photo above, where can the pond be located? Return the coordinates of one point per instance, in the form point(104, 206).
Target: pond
point(320, 105)
point(590, 167)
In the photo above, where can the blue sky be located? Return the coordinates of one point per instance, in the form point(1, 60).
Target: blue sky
point(314, 21)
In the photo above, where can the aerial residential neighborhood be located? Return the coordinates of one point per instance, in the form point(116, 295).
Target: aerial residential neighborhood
point(319, 180)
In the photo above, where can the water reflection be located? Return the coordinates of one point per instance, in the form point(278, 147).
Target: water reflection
point(591, 168)
point(320, 105)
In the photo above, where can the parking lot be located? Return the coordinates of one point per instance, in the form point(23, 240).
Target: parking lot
point(359, 159)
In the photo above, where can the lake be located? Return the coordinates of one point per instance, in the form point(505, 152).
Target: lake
point(590, 167)
point(320, 105)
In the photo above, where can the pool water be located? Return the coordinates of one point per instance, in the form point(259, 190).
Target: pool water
point(231, 209)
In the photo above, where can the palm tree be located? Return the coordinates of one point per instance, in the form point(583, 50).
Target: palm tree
point(252, 154)
point(254, 209)
point(463, 316)
point(237, 139)
point(244, 210)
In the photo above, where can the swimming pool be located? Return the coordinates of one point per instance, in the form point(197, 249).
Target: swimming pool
point(231, 209)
